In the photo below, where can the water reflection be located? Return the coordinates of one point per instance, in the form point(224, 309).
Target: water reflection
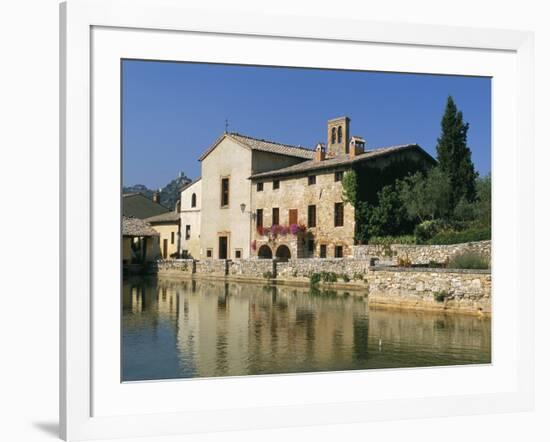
point(181, 329)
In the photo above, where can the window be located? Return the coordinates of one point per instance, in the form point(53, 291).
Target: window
point(338, 214)
point(259, 218)
point(209, 253)
point(310, 246)
point(333, 136)
point(311, 216)
point(187, 231)
point(238, 254)
point(225, 192)
point(276, 184)
point(194, 200)
point(311, 180)
point(172, 237)
point(259, 187)
point(292, 216)
point(338, 175)
point(275, 215)
point(339, 134)
point(338, 252)
point(323, 251)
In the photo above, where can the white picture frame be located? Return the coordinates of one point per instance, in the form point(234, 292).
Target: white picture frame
point(90, 406)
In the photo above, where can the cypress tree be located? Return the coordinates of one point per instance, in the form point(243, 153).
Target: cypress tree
point(454, 155)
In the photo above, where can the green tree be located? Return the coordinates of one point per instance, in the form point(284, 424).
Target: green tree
point(454, 155)
point(426, 197)
point(389, 217)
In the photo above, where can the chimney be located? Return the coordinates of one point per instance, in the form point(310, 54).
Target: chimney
point(320, 152)
point(156, 197)
point(356, 146)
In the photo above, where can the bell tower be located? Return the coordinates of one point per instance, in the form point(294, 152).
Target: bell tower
point(338, 136)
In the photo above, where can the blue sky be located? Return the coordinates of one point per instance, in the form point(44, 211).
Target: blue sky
point(172, 112)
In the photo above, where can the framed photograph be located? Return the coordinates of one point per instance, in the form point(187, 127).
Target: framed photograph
point(283, 221)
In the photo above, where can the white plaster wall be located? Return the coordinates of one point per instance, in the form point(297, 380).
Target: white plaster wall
point(191, 216)
point(228, 159)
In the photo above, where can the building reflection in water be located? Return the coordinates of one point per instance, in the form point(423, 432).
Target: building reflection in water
point(174, 329)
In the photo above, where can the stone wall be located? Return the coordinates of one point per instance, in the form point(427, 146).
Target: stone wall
point(466, 291)
point(303, 268)
point(173, 267)
point(434, 289)
point(252, 267)
point(421, 254)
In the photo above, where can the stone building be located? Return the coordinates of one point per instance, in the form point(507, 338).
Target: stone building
point(309, 195)
point(265, 199)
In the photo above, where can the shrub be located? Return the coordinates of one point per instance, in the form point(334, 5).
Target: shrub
point(388, 240)
point(468, 235)
point(314, 279)
point(329, 277)
point(358, 276)
point(404, 261)
point(427, 230)
point(268, 275)
point(440, 296)
point(344, 277)
point(468, 260)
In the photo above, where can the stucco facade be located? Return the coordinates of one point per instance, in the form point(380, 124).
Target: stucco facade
point(190, 216)
point(225, 221)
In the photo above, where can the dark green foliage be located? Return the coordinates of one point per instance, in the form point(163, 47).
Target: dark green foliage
point(467, 235)
point(349, 188)
point(314, 279)
point(454, 156)
point(389, 217)
point(468, 260)
point(268, 275)
point(389, 240)
point(426, 230)
point(426, 196)
point(440, 296)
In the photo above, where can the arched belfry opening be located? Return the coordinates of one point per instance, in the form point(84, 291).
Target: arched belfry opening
point(194, 200)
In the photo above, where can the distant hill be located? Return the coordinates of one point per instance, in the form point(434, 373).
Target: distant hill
point(169, 194)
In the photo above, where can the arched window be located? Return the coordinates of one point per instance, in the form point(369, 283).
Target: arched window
point(333, 136)
point(339, 134)
point(194, 200)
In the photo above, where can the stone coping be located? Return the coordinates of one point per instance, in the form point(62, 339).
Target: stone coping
point(428, 270)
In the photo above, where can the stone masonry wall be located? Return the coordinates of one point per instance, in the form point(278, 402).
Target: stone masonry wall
point(434, 289)
point(466, 291)
point(303, 268)
point(295, 193)
point(421, 254)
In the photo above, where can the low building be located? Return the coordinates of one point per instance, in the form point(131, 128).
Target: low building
point(190, 220)
point(140, 242)
point(168, 226)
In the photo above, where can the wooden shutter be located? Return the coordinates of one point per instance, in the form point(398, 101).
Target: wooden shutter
point(292, 216)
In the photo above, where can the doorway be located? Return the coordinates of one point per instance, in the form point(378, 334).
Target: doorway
point(222, 247)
